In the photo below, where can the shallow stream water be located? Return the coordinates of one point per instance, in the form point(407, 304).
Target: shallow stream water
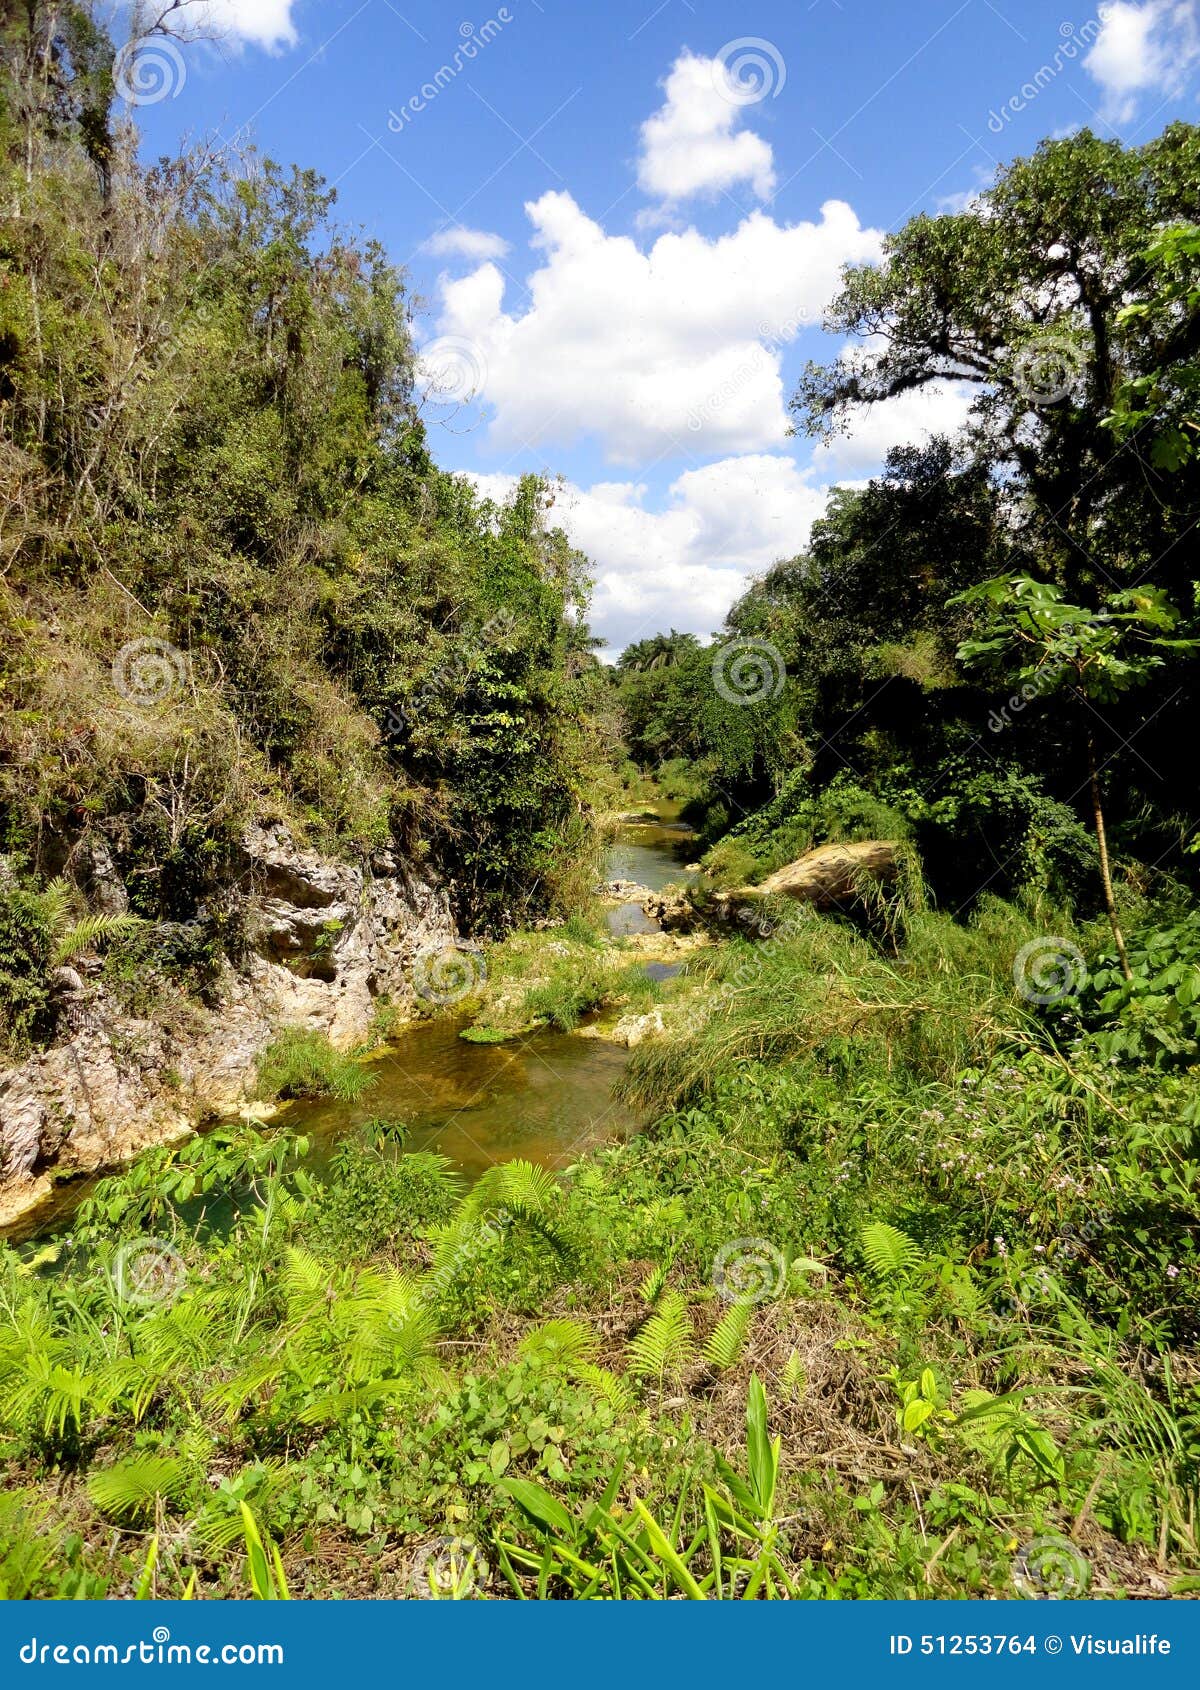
point(546, 1097)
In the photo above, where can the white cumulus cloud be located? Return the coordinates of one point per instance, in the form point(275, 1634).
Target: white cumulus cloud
point(871, 431)
point(475, 244)
point(692, 144)
point(266, 23)
point(1148, 48)
point(674, 349)
point(684, 564)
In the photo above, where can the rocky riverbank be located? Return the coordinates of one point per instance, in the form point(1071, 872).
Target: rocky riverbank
point(329, 942)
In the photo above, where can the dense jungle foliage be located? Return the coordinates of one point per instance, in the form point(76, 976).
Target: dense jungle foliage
point(897, 1292)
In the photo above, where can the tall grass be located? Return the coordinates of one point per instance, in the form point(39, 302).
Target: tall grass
point(946, 1001)
point(303, 1063)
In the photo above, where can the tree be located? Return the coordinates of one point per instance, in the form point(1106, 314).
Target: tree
point(1024, 300)
point(1158, 413)
point(1065, 649)
point(660, 651)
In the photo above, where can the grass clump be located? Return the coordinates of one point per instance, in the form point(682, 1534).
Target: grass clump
point(303, 1063)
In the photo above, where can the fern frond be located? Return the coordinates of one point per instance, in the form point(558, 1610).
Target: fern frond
point(606, 1386)
point(651, 1288)
point(25, 1544)
point(524, 1188)
point(92, 930)
point(728, 1340)
point(131, 1489)
point(60, 901)
point(664, 1344)
point(794, 1376)
point(889, 1251)
point(559, 1343)
point(336, 1405)
point(235, 1393)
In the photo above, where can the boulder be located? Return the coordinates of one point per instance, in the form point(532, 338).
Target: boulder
point(672, 909)
point(827, 877)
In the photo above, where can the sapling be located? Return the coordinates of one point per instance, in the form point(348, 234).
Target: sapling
point(1092, 655)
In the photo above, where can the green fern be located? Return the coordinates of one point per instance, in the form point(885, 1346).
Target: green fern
point(131, 1489)
point(654, 1284)
point(728, 1339)
point(92, 930)
point(25, 1544)
point(890, 1253)
point(559, 1343)
point(73, 933)
point(664, 1345)
point(794, 1376)
point(606, 1386)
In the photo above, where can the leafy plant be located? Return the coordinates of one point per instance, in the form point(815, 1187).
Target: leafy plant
point(664, 1344)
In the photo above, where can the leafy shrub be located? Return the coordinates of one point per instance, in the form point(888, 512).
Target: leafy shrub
point(370, 1200)
point(26, 944)
point(1155, 1016)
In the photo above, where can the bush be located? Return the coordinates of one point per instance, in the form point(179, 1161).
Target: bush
point(1155, 1016)
point(26, 943)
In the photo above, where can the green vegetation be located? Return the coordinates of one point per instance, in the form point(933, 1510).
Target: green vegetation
point(236, 588)
point(955, 1242)
point(897, 1294)
point(556, 978)
point(305, 1064)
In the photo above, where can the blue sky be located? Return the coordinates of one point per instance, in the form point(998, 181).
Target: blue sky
point(622, 220)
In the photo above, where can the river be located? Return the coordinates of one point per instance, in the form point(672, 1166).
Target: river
point(546, 1096)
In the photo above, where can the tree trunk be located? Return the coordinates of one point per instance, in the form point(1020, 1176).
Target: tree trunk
point(1105, 875)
